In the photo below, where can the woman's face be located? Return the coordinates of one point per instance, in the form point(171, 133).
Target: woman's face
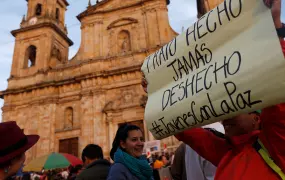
point(134, 143)
point(164, 160)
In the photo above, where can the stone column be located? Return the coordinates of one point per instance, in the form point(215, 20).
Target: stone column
point(98, 118)
point(87, 120)
point(153, 29)
point(109, 120)
point(46, 113)
point(44, 51)
point(16, 58)
point(97, 31)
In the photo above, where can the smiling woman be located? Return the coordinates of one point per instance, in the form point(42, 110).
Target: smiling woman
point(127, 153)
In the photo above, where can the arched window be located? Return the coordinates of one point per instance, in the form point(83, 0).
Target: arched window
point(30, 57)
point(68, 118)
point(57, 13)
point(124, 41)
point(39, 9)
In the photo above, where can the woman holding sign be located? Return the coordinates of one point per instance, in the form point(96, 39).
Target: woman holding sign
point(254, 144)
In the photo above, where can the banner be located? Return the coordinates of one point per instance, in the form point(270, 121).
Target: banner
point(229, 62)
point(152, 146)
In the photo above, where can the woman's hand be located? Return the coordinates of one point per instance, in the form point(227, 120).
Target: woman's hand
point(275, 6)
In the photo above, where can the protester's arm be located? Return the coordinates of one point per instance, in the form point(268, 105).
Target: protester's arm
point(178, 166)
point(205, 143)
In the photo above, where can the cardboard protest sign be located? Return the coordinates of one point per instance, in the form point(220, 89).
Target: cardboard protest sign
point(229, 62)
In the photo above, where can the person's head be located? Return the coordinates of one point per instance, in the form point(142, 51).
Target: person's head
point(167, 155)
point(12, 149)
point(91, 153)
point(163, 159)
point(130, 139)
point(242, 124)
point(160, 158)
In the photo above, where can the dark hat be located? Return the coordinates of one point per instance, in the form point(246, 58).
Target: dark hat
point(13, 141)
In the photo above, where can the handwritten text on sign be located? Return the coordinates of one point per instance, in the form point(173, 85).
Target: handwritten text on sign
point(229, 62)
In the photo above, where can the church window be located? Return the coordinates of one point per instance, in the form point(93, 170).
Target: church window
point(124, 41)
point(57, 14)
point(38, 9)
point(68, 118)
point(30, 58)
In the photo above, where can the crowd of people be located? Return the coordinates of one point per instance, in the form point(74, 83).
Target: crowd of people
point(129, 162)
point(123, 154)
point(251, 148)
point(69, 173)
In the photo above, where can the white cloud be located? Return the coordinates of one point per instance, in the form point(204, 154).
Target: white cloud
point(182, 13)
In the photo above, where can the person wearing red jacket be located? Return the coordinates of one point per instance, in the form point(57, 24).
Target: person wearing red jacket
point(238, 156)
point(254, 147)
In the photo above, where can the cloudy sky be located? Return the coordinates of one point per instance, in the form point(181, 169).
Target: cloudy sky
point(182, 13)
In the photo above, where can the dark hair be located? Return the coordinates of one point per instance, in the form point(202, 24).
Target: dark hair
point(160, 157)
point(92, 151)
point(121, 135)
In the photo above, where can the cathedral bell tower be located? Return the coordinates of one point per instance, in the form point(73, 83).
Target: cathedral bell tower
point(41, 41)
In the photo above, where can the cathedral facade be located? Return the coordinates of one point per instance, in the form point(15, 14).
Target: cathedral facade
point(73, 102)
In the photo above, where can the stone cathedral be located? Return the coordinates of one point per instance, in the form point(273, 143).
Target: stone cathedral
point(73, 102)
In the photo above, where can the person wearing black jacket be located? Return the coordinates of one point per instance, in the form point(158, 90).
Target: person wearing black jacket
point(96, 167)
